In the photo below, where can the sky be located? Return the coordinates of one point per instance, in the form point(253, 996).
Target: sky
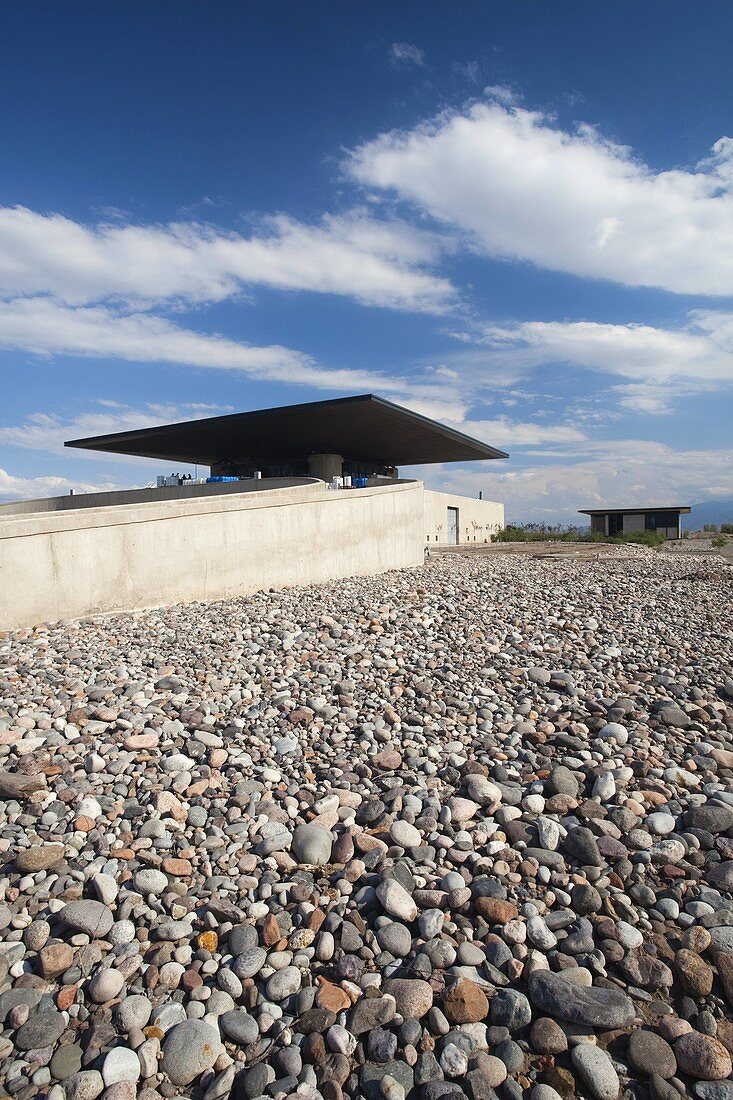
point(515, 217)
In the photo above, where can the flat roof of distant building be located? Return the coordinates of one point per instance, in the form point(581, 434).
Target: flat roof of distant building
point(637, 510)
point(364, 428)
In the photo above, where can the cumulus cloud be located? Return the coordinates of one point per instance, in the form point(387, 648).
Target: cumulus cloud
point(374, 262)
point(405, 53)
point(658, 365)
point(521, 187)
point(13, 487)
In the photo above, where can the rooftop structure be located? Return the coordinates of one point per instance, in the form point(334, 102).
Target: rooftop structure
point(359, 436)
point(626, 521)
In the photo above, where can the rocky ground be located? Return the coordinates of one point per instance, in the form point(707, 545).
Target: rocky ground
point(459, 831)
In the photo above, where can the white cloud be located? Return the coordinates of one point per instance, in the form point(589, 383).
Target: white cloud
point(659, 365)
point(502, 93)
point(405, 53)
point(40, 326)
point(13, 487)
point(375, 262)
point(503, 433)
point(47, 432)
point(618, 472)
point(523, 188)
point(44, 327)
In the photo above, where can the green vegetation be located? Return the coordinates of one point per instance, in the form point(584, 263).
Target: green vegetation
point(719, 541)
point(535, 532)
point(726, 528)
point(710, 527)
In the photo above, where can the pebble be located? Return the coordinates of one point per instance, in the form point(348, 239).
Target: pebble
point(283, 983)
point(189, 1049)
point(413, 997)
point(649, 1053)
point(105, 985)
point(121, 1064)
point(42, 1029)
point(557, 996)
point(449, 831)
point(39, 859)
point(404, 834)
point(396, 900)
point(702, 1057)
point(90, 917)
point(311, 845)
point(239, 1026)
point(66, 1061)
point(596, 1070)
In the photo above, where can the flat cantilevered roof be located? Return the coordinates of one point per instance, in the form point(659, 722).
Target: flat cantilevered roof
point(638, 510)
point(364, 429)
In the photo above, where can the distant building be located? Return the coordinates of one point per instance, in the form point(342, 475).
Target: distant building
point(629, 521)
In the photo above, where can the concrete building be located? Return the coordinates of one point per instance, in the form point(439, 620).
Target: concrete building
point(317, 497)
point(627, 521)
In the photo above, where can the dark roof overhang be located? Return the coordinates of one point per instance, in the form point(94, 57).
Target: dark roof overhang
point(682, 509)
point(363, 429)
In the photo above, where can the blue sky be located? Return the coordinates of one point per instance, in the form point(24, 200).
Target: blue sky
point(516, 217)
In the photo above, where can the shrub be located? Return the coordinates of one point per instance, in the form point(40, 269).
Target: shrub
point(536, 532)
point(719, 541)
point(710, 527)
point(641, 538)
point(726, 528)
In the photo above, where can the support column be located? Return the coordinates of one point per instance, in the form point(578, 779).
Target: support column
point(325, 466)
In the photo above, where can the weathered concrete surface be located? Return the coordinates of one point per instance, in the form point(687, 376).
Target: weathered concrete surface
point(478, 520)
point(59, 565)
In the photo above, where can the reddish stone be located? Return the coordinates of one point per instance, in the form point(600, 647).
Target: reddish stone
point(387, 761)
point(332, 997)
point(270, 930)
point(66, 997)
point(465, 1003)
point(54, 959)
point(496, 911)
point(703, 1057)
point(694, 974)
point(191, 980)
point(315, 919)
point(180, 868)
point(365, 842)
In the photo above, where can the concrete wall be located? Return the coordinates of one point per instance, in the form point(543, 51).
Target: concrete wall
point(119, 497)
point(56, 565)
point(478, 520)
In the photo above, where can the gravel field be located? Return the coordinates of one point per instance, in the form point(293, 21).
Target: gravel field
point(462, 831)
